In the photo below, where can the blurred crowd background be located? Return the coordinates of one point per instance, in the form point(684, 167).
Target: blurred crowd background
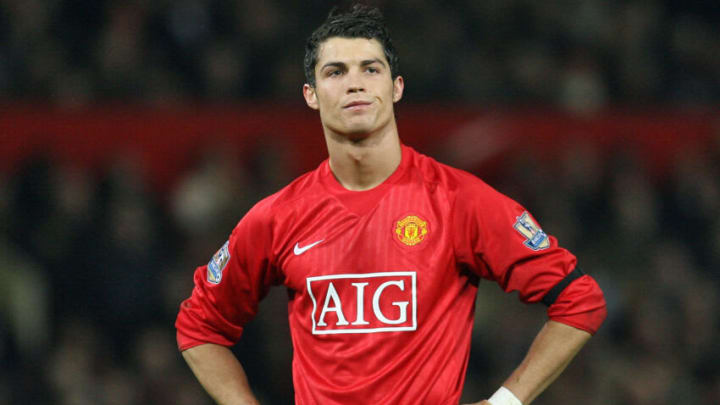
point(561, 52)
point(94, 263)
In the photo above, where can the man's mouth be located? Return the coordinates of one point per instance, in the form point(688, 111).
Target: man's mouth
point(357, 105)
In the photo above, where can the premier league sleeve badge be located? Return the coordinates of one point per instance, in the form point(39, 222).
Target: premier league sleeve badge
point(535, 238)
point(217, 264)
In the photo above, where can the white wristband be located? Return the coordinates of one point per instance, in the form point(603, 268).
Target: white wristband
point(504, 396)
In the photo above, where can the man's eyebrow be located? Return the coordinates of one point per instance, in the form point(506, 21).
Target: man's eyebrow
point(333, 64)
point(371, 61)
point(363, 63)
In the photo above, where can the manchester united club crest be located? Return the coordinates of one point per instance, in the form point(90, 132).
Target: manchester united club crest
point(411, 230)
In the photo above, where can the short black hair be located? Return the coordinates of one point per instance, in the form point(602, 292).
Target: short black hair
point(360, 22)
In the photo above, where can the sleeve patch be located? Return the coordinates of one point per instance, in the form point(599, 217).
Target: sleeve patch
point(535, 238)
point(217, 264)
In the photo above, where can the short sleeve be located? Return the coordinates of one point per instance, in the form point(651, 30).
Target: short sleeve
point(498, 239)
point(229, 288)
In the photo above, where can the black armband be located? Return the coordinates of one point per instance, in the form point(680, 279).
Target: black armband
point(554, 292)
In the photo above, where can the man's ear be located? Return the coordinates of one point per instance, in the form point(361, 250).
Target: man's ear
point(310, 96)
point(398, 88)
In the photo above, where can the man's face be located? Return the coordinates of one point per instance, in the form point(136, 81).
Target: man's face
point(354, 90)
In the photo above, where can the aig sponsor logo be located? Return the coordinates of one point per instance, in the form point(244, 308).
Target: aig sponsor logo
point(363, 303)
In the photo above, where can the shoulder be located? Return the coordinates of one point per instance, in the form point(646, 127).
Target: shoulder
point(305, 186)
point(471, 199)
point(456, 181)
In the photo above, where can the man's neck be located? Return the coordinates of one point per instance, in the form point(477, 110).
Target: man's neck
point(364, 163)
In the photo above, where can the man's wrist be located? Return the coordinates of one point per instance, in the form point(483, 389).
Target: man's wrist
point(504, 396)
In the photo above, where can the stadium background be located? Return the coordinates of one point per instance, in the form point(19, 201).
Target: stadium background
point(134, 135)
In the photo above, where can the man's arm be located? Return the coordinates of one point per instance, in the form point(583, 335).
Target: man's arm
point(552, 350)
point(221, 374)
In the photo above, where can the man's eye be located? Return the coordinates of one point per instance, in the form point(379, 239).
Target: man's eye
point(372, 70)
point(334, 73)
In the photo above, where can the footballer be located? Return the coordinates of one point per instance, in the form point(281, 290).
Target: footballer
point(381, 249)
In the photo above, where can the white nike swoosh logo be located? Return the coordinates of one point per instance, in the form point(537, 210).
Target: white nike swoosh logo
point(300, 250)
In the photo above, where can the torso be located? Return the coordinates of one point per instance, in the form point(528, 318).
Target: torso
point(374, 290)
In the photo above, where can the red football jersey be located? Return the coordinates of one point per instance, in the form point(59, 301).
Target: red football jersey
point(382, 282)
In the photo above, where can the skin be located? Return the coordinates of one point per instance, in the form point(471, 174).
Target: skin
point(221, 374)
point(354, 94)
point(551, 351)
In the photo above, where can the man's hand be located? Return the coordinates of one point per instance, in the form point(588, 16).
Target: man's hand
point(483, 402)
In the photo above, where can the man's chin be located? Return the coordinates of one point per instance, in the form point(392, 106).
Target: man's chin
point(357, 132)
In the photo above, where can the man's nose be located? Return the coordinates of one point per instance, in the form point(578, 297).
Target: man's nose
point(355, 83)
point(355, 87)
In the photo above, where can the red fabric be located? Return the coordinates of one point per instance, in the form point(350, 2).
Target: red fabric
point(381, 303)
point(496, 251)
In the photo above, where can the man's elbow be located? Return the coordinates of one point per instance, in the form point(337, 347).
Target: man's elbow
point(581, 305)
